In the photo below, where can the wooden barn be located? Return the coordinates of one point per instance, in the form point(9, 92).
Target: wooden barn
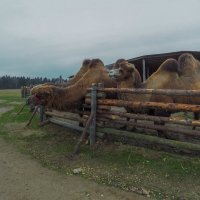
point(148, 64)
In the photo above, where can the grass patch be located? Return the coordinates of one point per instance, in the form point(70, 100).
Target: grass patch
point(163, 175)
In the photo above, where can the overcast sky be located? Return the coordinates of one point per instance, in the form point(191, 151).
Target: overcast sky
point(52, 37)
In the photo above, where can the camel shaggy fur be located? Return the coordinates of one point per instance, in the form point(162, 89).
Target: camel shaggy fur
point(72, 97)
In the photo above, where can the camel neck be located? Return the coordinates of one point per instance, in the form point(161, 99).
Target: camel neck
point(128, 83)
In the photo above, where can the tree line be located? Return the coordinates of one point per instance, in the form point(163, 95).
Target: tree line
point(13, 82)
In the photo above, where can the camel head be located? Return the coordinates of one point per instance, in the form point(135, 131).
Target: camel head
point(125, 71)
point(116, 65)
point(42, 92)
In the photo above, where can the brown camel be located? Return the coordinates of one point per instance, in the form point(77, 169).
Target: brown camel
point(184, 74)
point(73, 96)
point(80, 73)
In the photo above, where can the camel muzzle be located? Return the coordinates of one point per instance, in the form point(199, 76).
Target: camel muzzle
point(114, 73)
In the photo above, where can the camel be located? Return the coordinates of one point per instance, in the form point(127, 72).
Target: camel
point(127, 76)
point(172, 74)
point(72, 96)
point(85, 65)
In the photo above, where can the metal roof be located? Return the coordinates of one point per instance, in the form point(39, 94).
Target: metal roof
point(148, 64)
point(155, 60)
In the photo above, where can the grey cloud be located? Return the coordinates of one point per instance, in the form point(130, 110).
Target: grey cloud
point(50, 38)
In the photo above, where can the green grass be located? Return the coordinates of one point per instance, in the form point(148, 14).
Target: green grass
point(166, 176)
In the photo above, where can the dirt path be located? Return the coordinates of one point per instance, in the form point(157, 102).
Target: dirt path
point(22, 178)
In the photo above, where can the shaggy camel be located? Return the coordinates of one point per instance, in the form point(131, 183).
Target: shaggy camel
point(184, 74)
point(72, 97)
point(34, 100)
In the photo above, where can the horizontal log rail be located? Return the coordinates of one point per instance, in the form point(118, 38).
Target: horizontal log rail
point(193, 93)
point(179, 130)
point(173, 107)
point(64, 116)
point(153, 142)
point(113, 115)
point(87, 106)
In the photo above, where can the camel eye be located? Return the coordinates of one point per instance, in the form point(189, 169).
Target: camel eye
point(120, 71)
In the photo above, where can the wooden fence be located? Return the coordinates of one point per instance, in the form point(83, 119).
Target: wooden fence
point(176, 133)
point(25, 91)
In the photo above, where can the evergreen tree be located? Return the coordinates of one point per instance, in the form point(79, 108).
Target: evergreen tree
point(8, 82)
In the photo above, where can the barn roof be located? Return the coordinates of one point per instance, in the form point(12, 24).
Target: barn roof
point(155, 60)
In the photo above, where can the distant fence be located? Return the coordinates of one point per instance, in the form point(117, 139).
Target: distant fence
point(25, 91)
point(157, 132)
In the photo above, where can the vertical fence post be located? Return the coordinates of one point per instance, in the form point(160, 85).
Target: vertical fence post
point(24, 92)
point(93, 111)
point(42, 111)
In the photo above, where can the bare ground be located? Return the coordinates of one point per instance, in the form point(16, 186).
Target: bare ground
point(25, 179)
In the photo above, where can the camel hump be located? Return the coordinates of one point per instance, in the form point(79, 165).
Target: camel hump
point(188, 64)
point(86, 62)
point(117, 63)
point(185, 58)
point(170, 65)
point(95, 62)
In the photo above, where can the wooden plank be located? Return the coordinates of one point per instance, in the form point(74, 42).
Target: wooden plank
point(152, 142)
point(64, 115)
point(42, 113)
point(194, 93)
point(114, 115)
point(173, 107)
point(72, 126)
point(77, 147)
point(93, 113)
point(192, 133)
point(32, 116)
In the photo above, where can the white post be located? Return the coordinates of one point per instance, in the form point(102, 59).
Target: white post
point(143, 70)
